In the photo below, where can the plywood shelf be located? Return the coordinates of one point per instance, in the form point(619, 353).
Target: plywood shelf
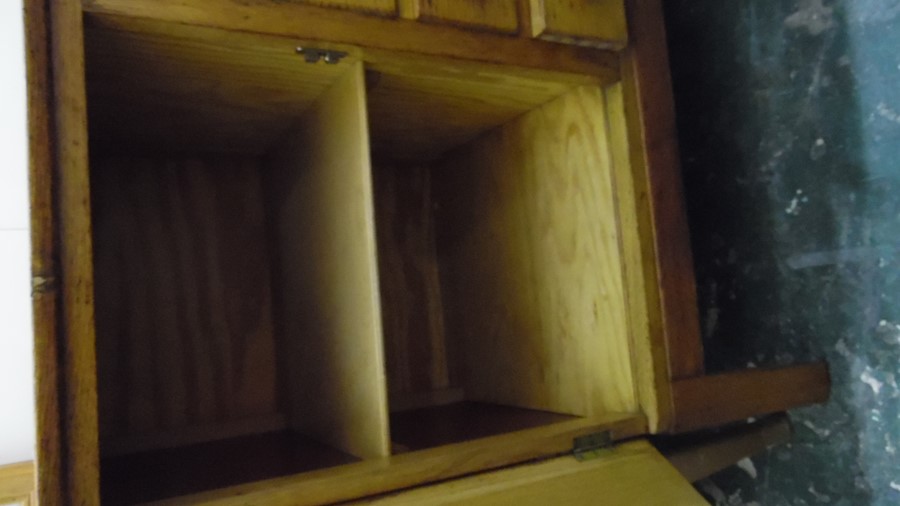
point(164, 474)
point(422, 428)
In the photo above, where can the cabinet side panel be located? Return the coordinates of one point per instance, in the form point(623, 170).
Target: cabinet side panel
point(648, 345)
point(184, 318)
point(649, 107)
point(328, 274)
point(498, 15)
point(45, 293)
point(531, 266)
point(77, 346)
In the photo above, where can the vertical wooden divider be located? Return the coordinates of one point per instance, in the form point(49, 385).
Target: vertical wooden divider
point(326, 275)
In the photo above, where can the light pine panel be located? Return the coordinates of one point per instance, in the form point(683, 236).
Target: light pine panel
point(633, 473)
point(530, 262)
point(649, 355)
point(497, 15)
point(415, 345)
point(182, 88)
point(183, 301)
point(327, 274)
point(596, 23)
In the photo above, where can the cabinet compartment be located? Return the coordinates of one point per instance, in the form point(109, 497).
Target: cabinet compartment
point(303, 265)
point(501, 279)
point(238, 323)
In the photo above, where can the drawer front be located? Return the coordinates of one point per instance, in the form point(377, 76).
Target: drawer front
point(493, 15)
point(386, 7)
point(596, 23)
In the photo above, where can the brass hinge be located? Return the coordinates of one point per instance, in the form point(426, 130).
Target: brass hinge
point(591, 446)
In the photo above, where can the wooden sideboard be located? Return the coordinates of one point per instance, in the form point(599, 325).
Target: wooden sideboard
point(306, 252)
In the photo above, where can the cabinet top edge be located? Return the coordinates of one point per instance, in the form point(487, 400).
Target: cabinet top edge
point(376, 37)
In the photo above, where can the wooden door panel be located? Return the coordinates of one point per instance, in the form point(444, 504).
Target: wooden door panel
point(596, 23)
point(493, 15)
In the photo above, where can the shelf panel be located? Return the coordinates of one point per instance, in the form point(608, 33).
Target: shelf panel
point(454, 423)
point(170, 473)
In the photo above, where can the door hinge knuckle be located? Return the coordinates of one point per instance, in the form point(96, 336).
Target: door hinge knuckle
point(591, 446)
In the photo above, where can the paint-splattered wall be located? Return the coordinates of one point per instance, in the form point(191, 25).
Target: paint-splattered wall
point(789, 119)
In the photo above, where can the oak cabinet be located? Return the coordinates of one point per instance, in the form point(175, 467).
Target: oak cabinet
point(498, 15)
point(598, 23)
point(381, 7)
point(302, 256)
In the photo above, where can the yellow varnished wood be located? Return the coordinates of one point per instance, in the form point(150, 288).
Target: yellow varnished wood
point(377, 476)
point(170, 87)
point(630, 474)
point(383, 7)
point(334, 26)
point(327, 276)
point(598, 23)
point(166, 86)
point(499, 15)
point(531, 266)
point(651, 374)
point(17, 484)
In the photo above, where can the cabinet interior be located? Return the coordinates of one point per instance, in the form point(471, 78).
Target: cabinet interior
point(303, 265)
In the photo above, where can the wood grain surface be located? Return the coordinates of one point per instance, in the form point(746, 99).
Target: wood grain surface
point(419, 111)
point(371, 477)
point(44, 249)
point(647, 93)
point(416, 352)
point(183, 299)
point(432, 426)
point(630, 474)
point(528, 241)
point(499, 15)
point(597, 23)
point(168, 87)
point(17, 484)
point(648, 344)
point(72, 190)
point(327, 274)
point(383, 7)
point(709, 401)
point(339, 27)
point(164, 474)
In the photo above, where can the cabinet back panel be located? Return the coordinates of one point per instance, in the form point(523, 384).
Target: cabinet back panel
point(419, 111)
point(327, 274)
point(183, 302)
point(531, 270)
point(415, 346)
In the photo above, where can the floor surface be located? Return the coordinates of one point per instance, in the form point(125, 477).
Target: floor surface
point(789, 125)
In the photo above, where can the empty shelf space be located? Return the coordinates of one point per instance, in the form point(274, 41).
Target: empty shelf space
point(422, 428)
point(162, 474)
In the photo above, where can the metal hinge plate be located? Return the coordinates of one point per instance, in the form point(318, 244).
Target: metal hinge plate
point(315, 55)
point(591, 446)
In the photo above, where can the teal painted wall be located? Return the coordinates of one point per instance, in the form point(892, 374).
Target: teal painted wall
point(789, 126)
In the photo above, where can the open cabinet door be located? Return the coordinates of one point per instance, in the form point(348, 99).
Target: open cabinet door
point(630, 474)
